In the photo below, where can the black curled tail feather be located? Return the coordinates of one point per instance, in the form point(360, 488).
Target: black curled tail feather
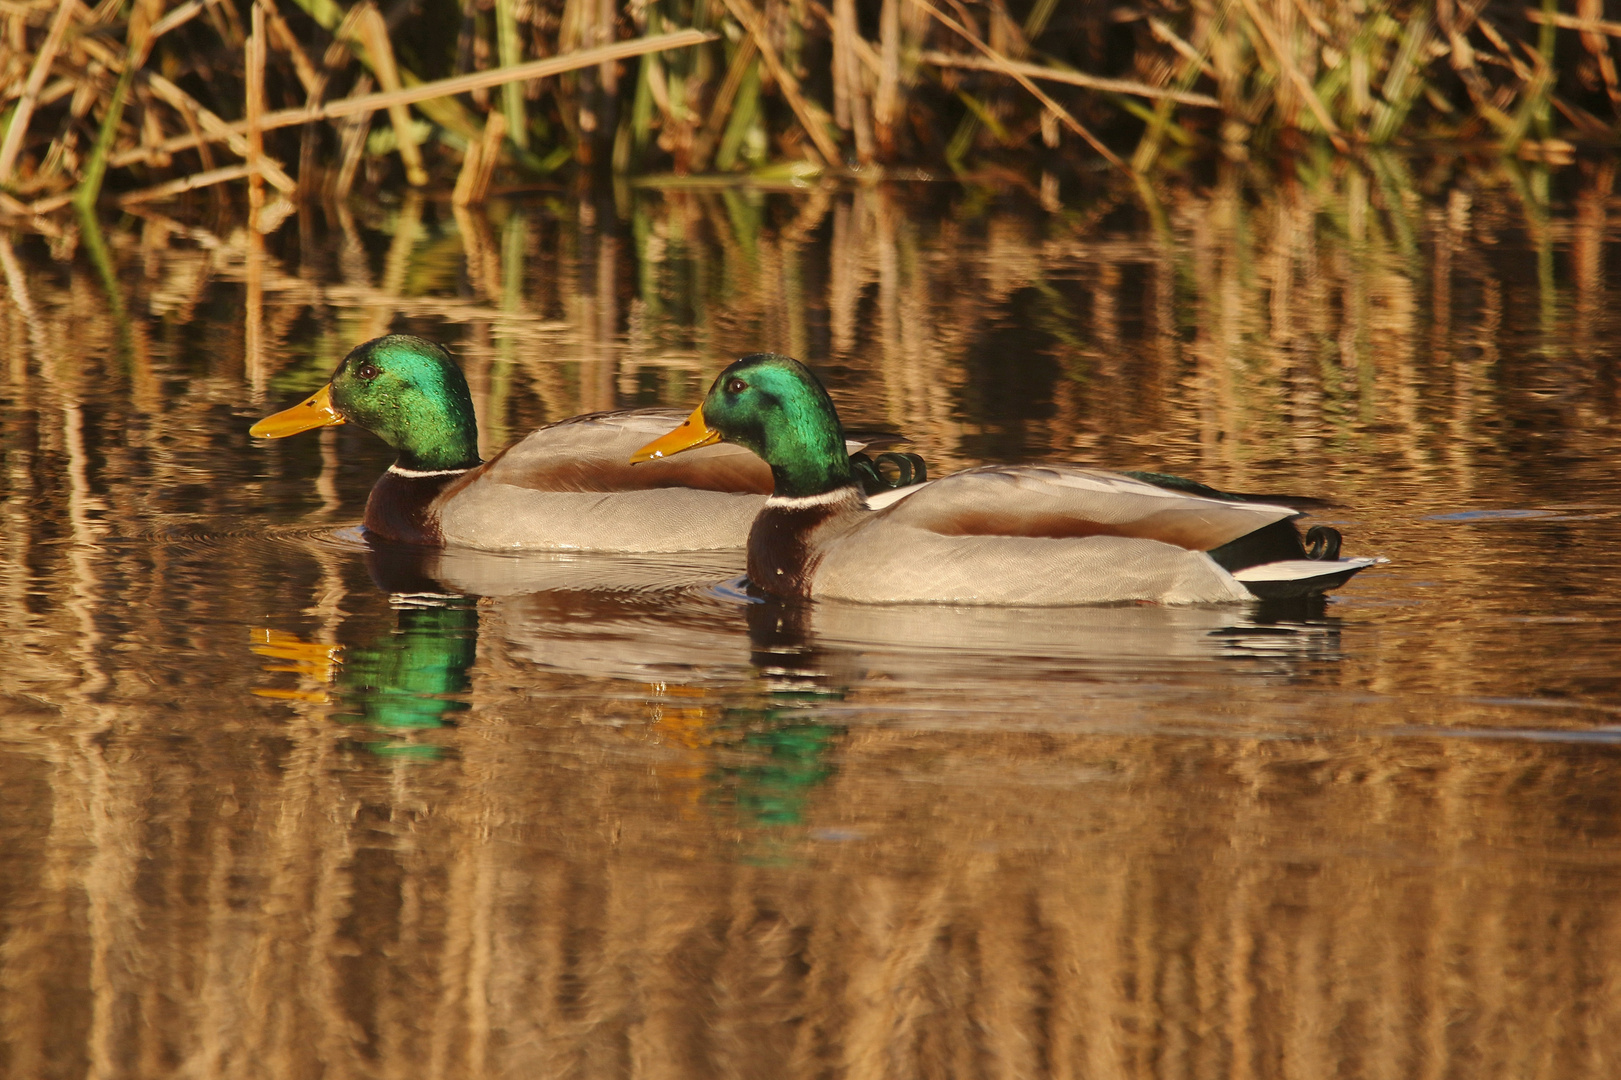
point(908, 469)
point(1322, 543)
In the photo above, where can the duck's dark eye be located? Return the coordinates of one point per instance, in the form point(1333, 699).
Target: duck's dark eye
point(736, 386)
point(367, 371)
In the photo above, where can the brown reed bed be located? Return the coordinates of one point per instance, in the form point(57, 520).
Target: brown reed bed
point(153, 99)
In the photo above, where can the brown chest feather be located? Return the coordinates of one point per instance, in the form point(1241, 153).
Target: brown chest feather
point(401, 508)
point(785, 543)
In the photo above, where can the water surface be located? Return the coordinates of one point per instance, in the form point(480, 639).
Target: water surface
point(272, 804)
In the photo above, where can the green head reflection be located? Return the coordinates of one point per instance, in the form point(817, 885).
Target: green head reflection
point(787, 754)
point(409, 679)
point(791, 761)
point(413, 678)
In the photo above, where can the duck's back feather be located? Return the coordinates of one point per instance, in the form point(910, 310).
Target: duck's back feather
point(592, 453)
point(1057, 502)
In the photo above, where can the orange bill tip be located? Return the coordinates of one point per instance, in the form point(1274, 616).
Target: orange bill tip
point(692, 434)
point(313, 412)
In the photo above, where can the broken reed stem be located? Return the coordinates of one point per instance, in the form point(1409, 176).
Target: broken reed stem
point(1072, 78)
point(180, 16)
point(255, 112)
point(185, 184)
point(473, 182)
point(36, 79)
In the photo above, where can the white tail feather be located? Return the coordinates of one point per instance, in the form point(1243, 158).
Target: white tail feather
point(1302, 569)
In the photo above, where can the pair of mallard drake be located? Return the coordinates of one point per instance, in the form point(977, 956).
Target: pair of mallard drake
point(764, 463)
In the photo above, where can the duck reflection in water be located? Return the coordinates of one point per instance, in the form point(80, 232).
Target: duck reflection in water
point(412, 678)
point(749, 696)
point(590, 619)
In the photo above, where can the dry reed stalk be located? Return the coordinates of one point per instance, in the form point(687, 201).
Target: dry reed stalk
point(459, 84)
point(847, 34)
point(704, 144)
point(216, 128)
point(205, 151)
point(287, 42)
point(885, 102)
point(179, 16)
point(36, 79)
point(12, 206)
point(1462, 58)
point(841, 65)
point(352, 144)
point(462, 194)
point(1195, 63)
point(1285, 60)
point(253, 313)
point(510, 52)
point(1072, 78)
point(473, 182)
point(1598, 47)
point(822, 144)
point(1533, 91)
point(338, 54)
point(374, 33)
point(255, 111)
point(185, 184)
point(1004, 65)
point(1573, 22)
point(446, 112)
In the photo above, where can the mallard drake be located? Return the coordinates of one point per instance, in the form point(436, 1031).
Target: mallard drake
point(1000, 534)
point(565, 487)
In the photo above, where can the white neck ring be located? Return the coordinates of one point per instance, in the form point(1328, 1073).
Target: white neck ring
point(418, 474)
point(826, 498)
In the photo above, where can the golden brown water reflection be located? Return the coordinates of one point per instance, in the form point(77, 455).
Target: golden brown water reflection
point(277, 807)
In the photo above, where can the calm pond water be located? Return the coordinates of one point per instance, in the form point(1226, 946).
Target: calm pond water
point(273, 807)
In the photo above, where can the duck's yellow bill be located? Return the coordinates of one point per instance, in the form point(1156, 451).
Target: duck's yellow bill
point(313, 412)
point(692, 434)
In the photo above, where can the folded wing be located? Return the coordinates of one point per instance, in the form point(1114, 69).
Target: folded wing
point(592, 453)
point(1070, 502)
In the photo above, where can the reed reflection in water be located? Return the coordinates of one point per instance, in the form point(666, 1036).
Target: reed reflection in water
point(278, 805)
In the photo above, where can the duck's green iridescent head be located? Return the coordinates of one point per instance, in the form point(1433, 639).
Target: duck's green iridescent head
point(406, 390)
point(776, 407)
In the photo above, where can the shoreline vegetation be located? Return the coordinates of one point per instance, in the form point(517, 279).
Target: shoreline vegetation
point(122, 102)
